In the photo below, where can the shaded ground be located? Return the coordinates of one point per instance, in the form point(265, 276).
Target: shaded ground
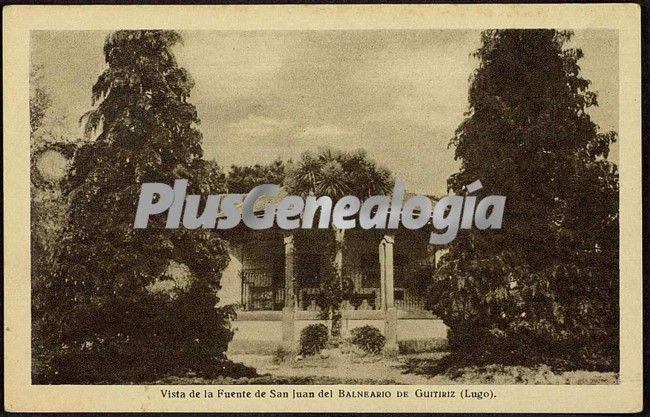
point(404, 369)
point(343, 367)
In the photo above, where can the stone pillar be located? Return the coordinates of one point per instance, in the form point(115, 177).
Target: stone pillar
point(387, 274)
point(289, 310)
point(338, 257)
point(289, 271)
point(388, 292)
point(337, 325)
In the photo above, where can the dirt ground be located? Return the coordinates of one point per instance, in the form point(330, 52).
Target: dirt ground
point(339, 366)
point(413, 369)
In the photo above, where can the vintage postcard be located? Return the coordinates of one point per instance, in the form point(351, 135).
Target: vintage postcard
point(323, 208)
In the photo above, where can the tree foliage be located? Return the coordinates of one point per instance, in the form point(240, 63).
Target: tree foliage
point(336, 174)
point(331, 293)
point(39, 99)
point(47, 208)
point(108, 318)
point(242, 179)
point(39, 103)
point(544, 288)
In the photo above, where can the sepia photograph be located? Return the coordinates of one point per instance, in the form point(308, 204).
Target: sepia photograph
point(325, 113)
point(353, 209)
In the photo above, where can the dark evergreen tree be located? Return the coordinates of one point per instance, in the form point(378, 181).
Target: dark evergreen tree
point(545, 287)
point(49, 150)
point(242, 179)
point(125, 304)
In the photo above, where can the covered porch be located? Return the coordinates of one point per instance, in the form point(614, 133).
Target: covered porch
point(279, 270)
point(383, 275)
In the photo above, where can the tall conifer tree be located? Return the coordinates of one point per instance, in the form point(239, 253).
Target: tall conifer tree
point(131, 304)
point(545, 287)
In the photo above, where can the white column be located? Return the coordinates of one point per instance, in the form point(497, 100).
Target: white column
point(386, 271)
point(289, 271)
point(289, 310)
point(338, 257)
point(388, 293)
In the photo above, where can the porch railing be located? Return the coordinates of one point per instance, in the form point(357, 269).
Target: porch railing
point(366, 299)
point(260, 292)
point(408, 300)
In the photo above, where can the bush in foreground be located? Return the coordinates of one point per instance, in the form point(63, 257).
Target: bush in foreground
point(368, 338)
point(421, 345)
point(313, 339)
point(280, 355)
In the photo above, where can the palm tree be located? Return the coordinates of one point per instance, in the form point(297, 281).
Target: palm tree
point(336, 174)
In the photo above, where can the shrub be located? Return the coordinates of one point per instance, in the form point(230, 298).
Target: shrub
point(280, 355)
point(230, 369)
point(313, 339)
point(421, 345)
point(368, 338)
